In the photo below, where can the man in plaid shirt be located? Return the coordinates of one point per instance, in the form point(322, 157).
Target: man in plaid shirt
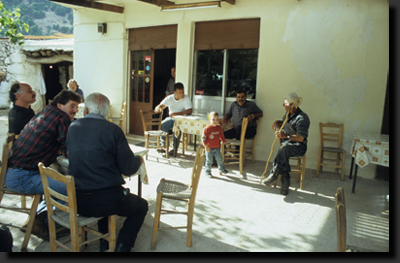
point(41, 140)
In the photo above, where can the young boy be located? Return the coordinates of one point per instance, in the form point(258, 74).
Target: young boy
point(212, 134)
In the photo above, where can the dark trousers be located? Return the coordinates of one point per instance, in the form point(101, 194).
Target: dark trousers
point(115, 203)
point(234, 133)
point(288, 149)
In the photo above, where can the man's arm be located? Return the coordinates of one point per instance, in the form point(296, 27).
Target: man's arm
point(294, 137)
point(225, 119)
point(185, 112)
point(254, 116)
point(159, 108)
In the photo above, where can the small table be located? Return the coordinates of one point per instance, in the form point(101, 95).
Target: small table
point(142, 178)
point(368, 148)
point(189, 125)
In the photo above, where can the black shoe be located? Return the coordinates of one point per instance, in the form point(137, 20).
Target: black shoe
point(103, 245)
point(160, 150)
point(273, 176)
point(122, 248)
point(285, 179)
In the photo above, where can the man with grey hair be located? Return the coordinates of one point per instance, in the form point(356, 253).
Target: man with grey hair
point(22, 96)
point(98, 154)
point(294, 141)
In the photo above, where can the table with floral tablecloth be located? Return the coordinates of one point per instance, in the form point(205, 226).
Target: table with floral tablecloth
point(369, 148)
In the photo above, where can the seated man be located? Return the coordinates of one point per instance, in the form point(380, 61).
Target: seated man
point(22, 96)
point(239, 109)
point(98, 154)
point(41, 140)
point(294, 142)
point(178, 104)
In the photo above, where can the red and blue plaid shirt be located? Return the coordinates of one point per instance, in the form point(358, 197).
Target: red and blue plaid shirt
point(41, 139)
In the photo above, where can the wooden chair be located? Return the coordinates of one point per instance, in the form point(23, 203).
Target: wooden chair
point(299, 168)
point(340, 208)
point(231, 155)
point(23, 209)
point(149, 122)
point(331, 135)
point(66, 215)
point(174, 190)
point(121, 118)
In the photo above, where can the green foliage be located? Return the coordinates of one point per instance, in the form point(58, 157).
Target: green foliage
point(32, 10)
point(10, 25)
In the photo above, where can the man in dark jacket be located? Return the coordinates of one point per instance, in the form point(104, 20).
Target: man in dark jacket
point(98, 154)
point(294, 141)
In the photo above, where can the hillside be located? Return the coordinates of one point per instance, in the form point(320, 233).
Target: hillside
point(44, 18)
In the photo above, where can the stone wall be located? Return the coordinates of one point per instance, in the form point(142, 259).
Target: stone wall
point(13, 63)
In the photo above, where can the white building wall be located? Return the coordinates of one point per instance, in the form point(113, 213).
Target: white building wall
point(334, 54)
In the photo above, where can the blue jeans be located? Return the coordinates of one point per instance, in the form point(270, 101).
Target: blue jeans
point(209, 160)
point(30, 182)
point(166, 125)
point(288, 149)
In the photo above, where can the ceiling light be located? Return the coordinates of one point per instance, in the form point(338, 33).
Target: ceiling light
point(191, 6)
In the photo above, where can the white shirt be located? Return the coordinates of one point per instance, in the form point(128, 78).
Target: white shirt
point(177, 105)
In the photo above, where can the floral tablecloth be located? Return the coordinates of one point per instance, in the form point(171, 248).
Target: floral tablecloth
point(370, 148)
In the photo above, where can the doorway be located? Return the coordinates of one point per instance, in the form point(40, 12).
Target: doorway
point(56, 77)
point(164, 61)
point(150, 73)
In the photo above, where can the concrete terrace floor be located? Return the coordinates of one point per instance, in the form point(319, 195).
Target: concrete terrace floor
point(234, 213)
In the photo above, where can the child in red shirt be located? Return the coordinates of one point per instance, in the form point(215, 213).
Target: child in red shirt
point(211, 137)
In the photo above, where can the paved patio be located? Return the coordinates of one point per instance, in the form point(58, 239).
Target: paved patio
point(234, 213)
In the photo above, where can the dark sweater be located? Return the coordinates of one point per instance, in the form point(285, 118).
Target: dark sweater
point(98, 154)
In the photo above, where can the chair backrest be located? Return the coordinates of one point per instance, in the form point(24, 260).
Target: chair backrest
point(245, 122)
point(4, 158)
point(148, 121)
point(331, 134)
point(196, 171)
point(51, 195)
point(340, 208)
point(123, 109)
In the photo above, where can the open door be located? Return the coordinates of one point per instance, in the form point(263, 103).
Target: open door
point(141, 88)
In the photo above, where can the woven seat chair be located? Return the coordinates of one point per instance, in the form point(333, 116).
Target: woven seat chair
point(174, 190)
point(230, 153)
point(31, 212)
point(331, 135)
point(121, 118)
point(152, 138)
point(66, 215)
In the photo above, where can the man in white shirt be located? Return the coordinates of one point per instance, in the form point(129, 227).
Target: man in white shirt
point(178, 104)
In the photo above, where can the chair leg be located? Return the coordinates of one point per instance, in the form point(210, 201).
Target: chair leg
point(167, 146)
point(32, 214)
point(112, 238)
point(146, 145)
point(190, 223)
point(343, 162)
point(303, 172)
point(157, 215)
point(319, 162)
point(23, 201)
point(52, 236)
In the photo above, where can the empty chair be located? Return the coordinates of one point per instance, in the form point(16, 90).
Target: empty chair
point(152, 131)
point(31, 212)
point(66, 215)
point(173, 190)
point(331, 152)
point(237, 151)
point(121, 118)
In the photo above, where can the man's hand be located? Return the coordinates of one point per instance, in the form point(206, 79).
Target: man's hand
point(158, 109)
point(277, 125)
point(222, 121)
point(280, 135)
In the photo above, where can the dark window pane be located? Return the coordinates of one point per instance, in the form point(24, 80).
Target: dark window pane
point(147, 89)
point(141, 63)
point(242, 72)
point(134, 88)
point(209, 72)
point(134, 62)
point(140, 89)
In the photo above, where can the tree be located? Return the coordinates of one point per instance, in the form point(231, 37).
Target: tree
point(10, 23)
